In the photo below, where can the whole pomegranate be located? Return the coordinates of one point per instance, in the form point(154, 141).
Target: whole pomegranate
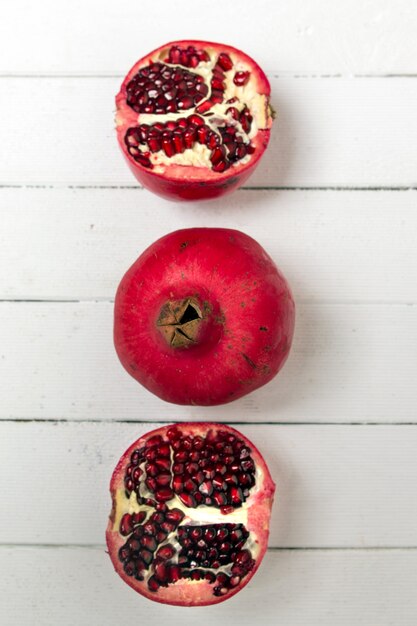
point(189, 523)
point(203, 317)
point(193, 119)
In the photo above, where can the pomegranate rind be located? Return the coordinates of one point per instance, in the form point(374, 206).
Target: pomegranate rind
point(190, 182)
point(253, 312)
point(259, 505)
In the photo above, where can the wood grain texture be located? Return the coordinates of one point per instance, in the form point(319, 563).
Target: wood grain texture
point(71, 244)
point(92, 37)
point(329, 132)
point(349, 363)
point(330, 588)
point(337, 486)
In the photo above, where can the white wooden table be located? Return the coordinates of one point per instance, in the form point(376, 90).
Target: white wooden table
point(334, 202)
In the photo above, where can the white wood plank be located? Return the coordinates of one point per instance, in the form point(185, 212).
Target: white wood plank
point(332, 246)
point(67, 586)
point(337, 486)
point(92, 36)
point(348, 363)
point(343, 132)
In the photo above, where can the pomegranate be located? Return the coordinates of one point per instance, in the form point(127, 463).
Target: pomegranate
point(203, 317)
point(193, 119)
point(189, 523)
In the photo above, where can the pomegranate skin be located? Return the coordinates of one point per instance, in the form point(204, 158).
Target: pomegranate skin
point(242, 309)
point(177, 182)
point(255, 514)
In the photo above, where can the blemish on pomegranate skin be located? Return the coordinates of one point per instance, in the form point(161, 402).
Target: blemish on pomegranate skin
point(263, 328)
point(249, 361)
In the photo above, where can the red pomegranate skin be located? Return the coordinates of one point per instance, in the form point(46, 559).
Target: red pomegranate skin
point(243, 315)
point(254, 515)
point(179, 182)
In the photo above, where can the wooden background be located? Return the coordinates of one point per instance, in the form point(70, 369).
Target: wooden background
point(334, 203)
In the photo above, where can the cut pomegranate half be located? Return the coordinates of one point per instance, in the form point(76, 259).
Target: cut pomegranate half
point(190, 518)
point(193, 119)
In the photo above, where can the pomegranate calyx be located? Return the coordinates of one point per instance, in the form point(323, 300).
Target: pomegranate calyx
point(179, 322)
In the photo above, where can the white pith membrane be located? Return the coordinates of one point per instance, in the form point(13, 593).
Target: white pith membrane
point(199, 516)
point(240, 98)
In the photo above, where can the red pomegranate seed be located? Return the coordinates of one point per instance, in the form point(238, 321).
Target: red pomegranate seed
point(192, 468)
point(186, 102)
point(146, 556)
point(225, 61)
point(166, 552)
point(203, 55)
point(173, 433)
point(216, 96)
point(154, 144)
point(153, 584)
point(174, 574)
point(163, 463)
point(151, 483)
point(163, 479)
point(168, 147)
point(189, 138)
point(178, 141)
point(217, 155)
point(187, 499)
point(126, 525)
point(217, 84)
point(137, 473)
point(148, 542)
point(241, 78)
point(204, 106)
point(206, 488)
point(144, 161)
point(220, 498)
point(178, 468)
point(163, 494)
point(202, 134)
point(139, 517)
point(218, 482)
point(178, 483)
point(233, 112)
point(174, 515)
point(190, 485)
point(151, 469)
point(196, 120)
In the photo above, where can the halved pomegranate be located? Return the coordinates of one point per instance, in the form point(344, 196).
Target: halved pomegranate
point(203, 317)
point(193, 119)
point(190, 518)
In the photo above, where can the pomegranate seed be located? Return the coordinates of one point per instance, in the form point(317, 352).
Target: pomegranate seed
point(168, 147)
point(198, 443)
point(225, 61)
point(194, 61)
point(205, 106)
point(174, 515)
point(173, 433)
point(161, 572)
point(154, 144)
point(206, 488)
point(234, 581)
point(149, 542)
point(144, 161)
point(241, 78)
point(171, 107)
point(217, 154)
point(174, 573)
point(226, 510)
point(146, 556)
point(182, 122)
point(190, 485)
point(202, 134)
point(126, 525)
point(168, 527)
point(209, 533)
point(139, 517)
point(151, 484)
point(220, 498)
point(222, 533)
point(166, 552)
point(182, 455)
point(163, 450)
point(124, 553)
point(248, 465)
point(217, 84)
point(210, 577)
point(178, 141)
point(163, 463)
point(163, 479)
point(195, 574)
point(163, 494)
point(213, 140)
point(137, 473)
point(218, 482)
point(130, 568)
point(161, 536)
point(178, 484)
point(153, 584)
point(187, 499)
point(186, 102)
point(209, 473)
point(194, 454)
point(216, 96)
point(203, 55)
point(151, 469)
point(192, 468)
